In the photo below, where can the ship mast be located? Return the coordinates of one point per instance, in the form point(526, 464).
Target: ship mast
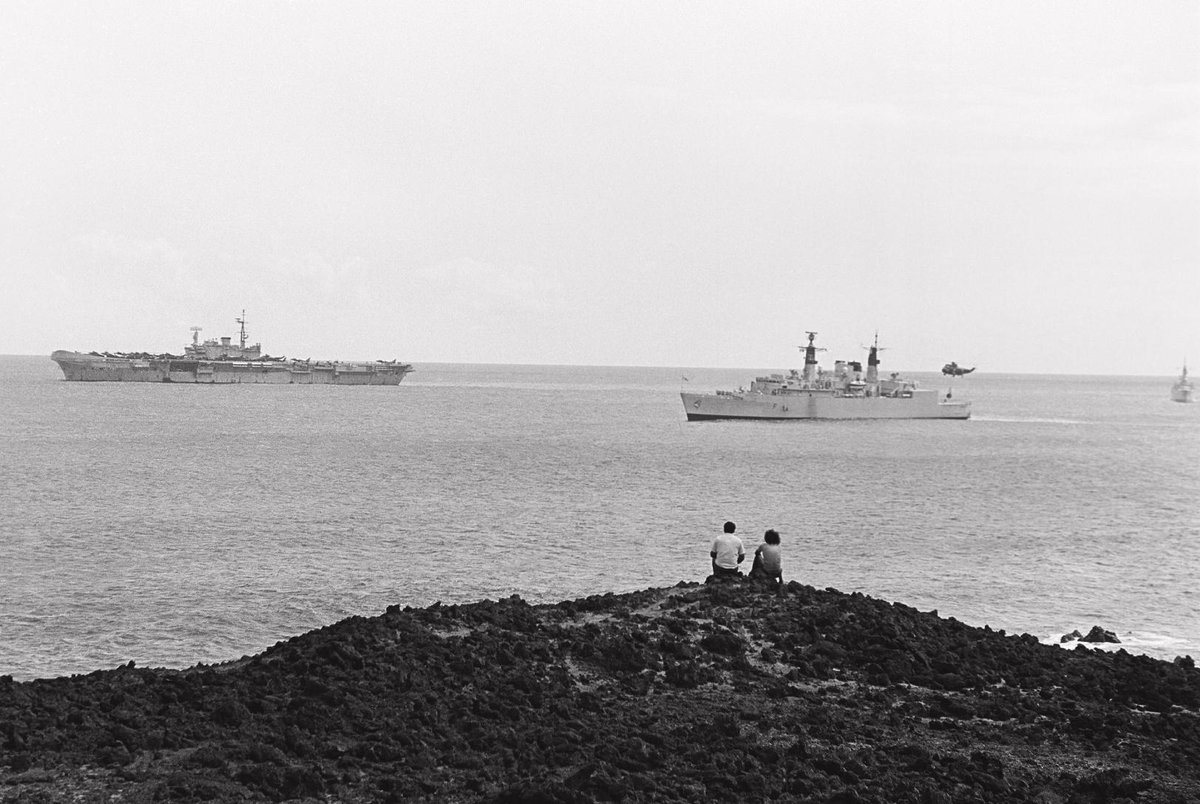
point(810, 358)
point(242, 321)
point(196, 335)
point(873, 360)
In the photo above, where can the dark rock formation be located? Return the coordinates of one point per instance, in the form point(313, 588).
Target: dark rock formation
point(1098, 634)
point(700, 692)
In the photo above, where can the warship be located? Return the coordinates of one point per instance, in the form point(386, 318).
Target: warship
point(222, 362)
point(1182, 390)
point(843, 393)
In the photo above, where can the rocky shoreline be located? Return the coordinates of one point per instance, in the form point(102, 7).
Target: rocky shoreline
point(695, 692)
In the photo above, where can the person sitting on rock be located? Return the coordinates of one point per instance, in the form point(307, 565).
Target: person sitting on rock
point(727, 552)
point(768, 560)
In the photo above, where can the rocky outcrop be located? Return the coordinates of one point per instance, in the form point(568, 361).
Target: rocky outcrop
point(1098, 634)
point(690, 693)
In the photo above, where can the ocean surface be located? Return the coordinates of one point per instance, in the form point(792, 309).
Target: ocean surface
point(172, 525)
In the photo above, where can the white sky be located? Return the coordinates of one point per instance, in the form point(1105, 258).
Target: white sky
point(1010, 185)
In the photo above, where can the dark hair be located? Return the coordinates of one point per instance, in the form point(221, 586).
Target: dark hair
point(730, 527)
point(771, 537)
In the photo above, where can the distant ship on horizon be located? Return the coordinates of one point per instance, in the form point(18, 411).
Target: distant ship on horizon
point(1182, 390)
point(219, 361)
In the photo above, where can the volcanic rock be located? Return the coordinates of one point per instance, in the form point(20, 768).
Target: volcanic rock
point(1098, 634)
point(696, 692)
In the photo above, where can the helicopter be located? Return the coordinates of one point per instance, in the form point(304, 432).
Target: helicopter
point(954, 370)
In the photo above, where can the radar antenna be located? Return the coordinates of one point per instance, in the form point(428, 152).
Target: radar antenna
point(242, 321)
point(196, 335)
point(811, 337)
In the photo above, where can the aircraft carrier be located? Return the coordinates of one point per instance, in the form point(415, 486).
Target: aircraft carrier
point(219, 361)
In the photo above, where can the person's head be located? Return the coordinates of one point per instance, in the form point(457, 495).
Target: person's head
point(771, 537)
point(730, 527)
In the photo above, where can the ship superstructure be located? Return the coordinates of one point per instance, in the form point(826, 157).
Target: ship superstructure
point(845, 392)
point(222, 348)
point(219, 361)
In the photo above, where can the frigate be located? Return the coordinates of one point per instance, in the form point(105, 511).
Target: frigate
point(845, 392)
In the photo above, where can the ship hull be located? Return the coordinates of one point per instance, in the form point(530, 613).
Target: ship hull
point(82, 367)
point(922, 404)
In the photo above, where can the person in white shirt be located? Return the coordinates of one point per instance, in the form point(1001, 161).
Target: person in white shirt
point(727, 552)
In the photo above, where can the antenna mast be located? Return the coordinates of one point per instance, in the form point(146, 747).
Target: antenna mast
point(196, 335)
point(242, 321)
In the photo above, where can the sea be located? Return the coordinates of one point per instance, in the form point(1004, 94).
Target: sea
point(178, 525)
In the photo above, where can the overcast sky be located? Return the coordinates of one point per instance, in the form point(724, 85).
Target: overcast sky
point(1010, 185)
